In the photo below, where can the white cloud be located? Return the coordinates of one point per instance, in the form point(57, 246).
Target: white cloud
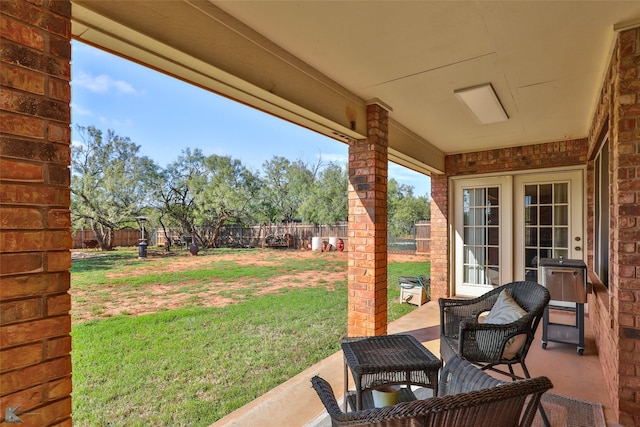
point(76, 143)
point(102, 83)
point(340, 159)
point(80, 110)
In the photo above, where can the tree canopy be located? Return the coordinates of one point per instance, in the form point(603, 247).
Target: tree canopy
point(112, 184)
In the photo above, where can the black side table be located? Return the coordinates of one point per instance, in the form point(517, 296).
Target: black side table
point(388, 360)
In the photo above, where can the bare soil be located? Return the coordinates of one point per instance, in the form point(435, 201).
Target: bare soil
point(154, 297)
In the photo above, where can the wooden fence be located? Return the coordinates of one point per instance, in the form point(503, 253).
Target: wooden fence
point(294, 235)
point(85, 238)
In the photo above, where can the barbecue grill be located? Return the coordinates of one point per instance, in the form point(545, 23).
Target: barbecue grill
point(566, 281)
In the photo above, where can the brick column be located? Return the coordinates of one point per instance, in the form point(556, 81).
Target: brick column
point(624, 265)
point(440, 237)
point(35, 237)
point(367, 275)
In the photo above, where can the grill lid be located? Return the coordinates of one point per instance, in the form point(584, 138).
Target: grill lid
point(561, 262)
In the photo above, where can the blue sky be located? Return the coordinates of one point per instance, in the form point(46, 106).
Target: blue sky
point(165, 115)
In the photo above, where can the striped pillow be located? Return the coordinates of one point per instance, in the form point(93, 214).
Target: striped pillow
point(504, 311)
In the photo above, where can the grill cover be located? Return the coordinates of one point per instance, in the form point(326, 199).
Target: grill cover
point(566, 279)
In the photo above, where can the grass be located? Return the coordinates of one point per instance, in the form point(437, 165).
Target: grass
point(192, 366)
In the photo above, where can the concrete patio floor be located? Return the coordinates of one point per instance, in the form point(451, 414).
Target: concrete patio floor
point(295, 403)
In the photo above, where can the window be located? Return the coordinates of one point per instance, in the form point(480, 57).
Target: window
point(546, 224)
point(601, 213)
point(481, 236)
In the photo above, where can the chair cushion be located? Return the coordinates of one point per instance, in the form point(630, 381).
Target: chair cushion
point(504, 311)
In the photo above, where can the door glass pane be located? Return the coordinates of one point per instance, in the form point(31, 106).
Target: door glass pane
point(546, 238)
point(561, 237)
point(492, 194)
point(468, 216)
point(480, 216)
point(546, 215)
point(468, 197)
point(546, 194)
point(481, 235)
point(531, 236)
point(494, 215)
point(530, 195)
point(546, 231)
point(468, 235)
point(493, 234)
point(561, 215)
point(531, 215)
point(561, 193)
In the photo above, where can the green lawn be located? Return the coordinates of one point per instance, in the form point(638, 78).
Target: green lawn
point(192, 366)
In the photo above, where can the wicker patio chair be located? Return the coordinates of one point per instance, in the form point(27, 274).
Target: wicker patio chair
point(484, 344)
point(467, 397)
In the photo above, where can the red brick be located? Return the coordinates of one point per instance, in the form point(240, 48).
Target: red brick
point(20, 218)
point(57, 347)
point(19, 311)
point(30, 376)
point(33, 284)
point(58, 304)
point(56, 413)
point(21, 33)
point(20, 264)
point(24, 399)
point(59, 388)
point(33, 195)
point(19, 357)
point(59, 218)
point(60, 25)
point(59, 89)
point(62, 8)
point(20, 148)
point(14, 124)
point(58, 132)
point(57, 240)
point(58, 175)
point(30, 12)
point(21, 241)
point(58, 261)
point(22, 79)
point(65, 423)
point(20, 171)
point(34, 331)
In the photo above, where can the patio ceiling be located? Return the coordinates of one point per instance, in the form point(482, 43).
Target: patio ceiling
point(318, 63)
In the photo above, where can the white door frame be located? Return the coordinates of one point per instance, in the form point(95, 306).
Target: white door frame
point(511, 240)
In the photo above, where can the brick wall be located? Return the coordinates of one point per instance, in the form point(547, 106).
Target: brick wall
point(367, 245)
point(35, 238)
point(619, 336)
point(537, 156)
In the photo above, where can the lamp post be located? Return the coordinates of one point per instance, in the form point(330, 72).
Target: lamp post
point(142, 247)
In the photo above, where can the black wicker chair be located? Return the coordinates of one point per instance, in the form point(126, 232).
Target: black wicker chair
point(467, 396)
point(484, 343)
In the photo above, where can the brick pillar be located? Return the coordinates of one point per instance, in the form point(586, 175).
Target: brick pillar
point(625, 222)
point(35, 237)
point(367, 275)
point(439, 237)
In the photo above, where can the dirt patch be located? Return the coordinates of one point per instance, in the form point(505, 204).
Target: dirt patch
point(88, 304)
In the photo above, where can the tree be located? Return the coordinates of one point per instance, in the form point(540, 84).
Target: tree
point(110, 183)
point(285, 188)
point(327, 201)
point(202, 193)
point(404, 209)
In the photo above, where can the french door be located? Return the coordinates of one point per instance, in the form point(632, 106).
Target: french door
point(505, 224)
